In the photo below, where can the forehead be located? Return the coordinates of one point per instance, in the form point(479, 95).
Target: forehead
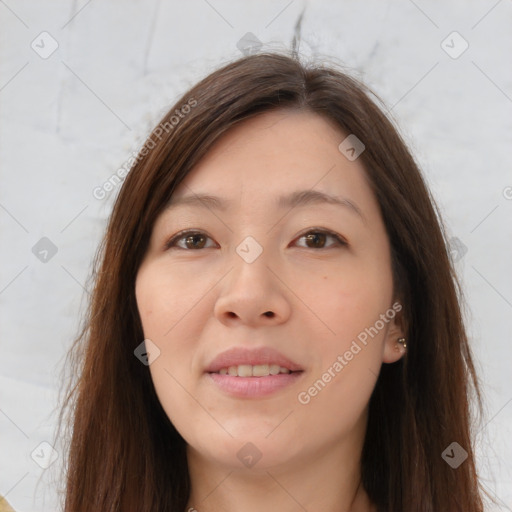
point(275, 150)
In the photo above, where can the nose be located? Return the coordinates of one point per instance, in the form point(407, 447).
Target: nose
point(252, 295)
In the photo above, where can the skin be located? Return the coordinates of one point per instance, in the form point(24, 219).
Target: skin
point(195, 303)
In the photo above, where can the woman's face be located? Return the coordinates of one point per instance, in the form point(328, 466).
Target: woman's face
point(273, 316)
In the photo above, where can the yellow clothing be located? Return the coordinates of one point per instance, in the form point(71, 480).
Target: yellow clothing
point(4, 506)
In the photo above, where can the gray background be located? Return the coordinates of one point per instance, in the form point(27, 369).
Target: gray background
point(71, 119)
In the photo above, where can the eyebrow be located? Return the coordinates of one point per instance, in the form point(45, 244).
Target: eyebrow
point(293, 200)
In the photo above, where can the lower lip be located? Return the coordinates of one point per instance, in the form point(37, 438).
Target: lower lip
point(254, 387)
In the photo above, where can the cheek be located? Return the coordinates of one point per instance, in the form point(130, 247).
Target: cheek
point(350, 352)
point(350, 303)
point(348, 300)
point(165, 297)
point(167, 305)
point(167, 310)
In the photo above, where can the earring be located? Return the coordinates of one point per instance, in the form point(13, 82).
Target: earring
point(400, 341)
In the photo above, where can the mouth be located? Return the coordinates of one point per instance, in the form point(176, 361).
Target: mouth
point(256, 373)
point(257, 370)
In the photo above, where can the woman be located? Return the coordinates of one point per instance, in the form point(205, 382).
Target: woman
point(275, 320)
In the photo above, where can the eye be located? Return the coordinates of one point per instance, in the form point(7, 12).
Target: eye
point(191, 240)
point(316, 238)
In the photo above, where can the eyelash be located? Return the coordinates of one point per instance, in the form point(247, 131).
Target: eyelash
point(171, 244)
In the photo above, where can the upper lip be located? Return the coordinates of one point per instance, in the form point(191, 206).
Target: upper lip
point(263, 355)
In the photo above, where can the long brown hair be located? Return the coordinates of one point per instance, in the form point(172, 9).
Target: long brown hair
point(125, 454)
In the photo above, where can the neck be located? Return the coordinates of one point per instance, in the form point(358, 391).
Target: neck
point(329, 481)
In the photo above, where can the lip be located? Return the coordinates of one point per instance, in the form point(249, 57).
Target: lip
point(262, 355)
point(252, 387)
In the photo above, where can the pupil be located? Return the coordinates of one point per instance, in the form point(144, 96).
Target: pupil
point(191, 238)
point(316, 237)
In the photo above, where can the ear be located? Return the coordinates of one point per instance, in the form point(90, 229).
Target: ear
point(392, 350)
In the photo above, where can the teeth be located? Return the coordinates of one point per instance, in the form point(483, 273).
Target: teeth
point(258, 370)
point(274, 369)
point(244, 370)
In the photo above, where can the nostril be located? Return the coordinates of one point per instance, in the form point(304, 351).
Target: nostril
point(269, 314)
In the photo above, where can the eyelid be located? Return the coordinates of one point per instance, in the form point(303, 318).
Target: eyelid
point(170, 244)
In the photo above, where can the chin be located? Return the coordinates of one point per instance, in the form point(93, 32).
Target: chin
point(247, 453)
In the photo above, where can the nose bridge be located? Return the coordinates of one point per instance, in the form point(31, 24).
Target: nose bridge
point(250, 250)
point(250, 273)
point(251, 291)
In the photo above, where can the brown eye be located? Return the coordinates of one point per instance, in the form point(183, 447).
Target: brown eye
point(191, 240)
point(195, 241)
point(317, 239)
